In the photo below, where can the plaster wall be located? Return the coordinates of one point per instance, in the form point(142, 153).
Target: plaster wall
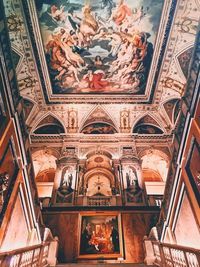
point(186, 231)
point(17, 234)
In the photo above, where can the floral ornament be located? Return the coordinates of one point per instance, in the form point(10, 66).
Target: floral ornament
point(14, 23)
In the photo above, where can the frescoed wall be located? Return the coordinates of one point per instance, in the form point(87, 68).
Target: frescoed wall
point(101, 46)
point(99, 128)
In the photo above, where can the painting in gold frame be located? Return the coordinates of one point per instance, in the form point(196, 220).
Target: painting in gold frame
point(100, 236)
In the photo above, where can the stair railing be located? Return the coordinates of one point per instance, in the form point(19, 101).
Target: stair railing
point(33, 256)
point(171, 255)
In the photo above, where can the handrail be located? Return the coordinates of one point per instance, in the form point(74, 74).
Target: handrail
point(23, 249)
point(168, 255)
point(32, 256)
point(175, 246)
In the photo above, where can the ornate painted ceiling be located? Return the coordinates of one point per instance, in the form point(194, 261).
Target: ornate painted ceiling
point(106, 70)
point(99, 47)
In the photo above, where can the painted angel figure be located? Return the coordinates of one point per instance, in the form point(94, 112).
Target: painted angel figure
point(121, 13)
point(57, 14)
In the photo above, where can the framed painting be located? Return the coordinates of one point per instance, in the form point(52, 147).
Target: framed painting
point(100, 236)
point(193, 167)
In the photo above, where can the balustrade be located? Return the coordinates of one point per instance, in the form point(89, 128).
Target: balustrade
point(33, 256)
point(169, 255)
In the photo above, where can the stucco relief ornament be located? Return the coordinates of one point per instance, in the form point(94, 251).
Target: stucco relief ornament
point(4, 179)
point(125, 121)
point(14, 23)
point(72, 121)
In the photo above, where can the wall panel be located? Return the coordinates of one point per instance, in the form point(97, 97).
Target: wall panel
point(66, 227)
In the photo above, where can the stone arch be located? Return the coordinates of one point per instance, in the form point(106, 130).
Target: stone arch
point(98, 114)
point(98, 170)
point(51, 150)
point(104, 152)
point(154, 122)
point(94, 151)
point(155, 165)
point(151, 176)
point(145, 151)
point(88, 175)
point(99, 180)
point(44, 121)
point(47, 175)
point(43, 159)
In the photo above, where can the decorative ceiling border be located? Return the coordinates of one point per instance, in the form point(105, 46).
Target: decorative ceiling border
point(37, 45)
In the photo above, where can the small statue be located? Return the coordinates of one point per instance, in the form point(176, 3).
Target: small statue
point(114, 191)
point(66, 186)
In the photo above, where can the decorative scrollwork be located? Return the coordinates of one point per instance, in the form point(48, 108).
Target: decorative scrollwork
point(14, 23)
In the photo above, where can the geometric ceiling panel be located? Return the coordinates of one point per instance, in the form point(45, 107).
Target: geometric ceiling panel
point(169, 107)
point(184, 60)
point(49, 125)
point(147, 125)
point(28, 106)
point(16, 58)
point(98, 115)
point(49, 119)
point(99, 47)
point(147, 120)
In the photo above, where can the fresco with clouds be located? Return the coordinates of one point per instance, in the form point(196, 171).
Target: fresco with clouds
point(99, 46)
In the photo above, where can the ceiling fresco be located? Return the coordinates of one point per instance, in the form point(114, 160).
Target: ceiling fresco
point(99, 47)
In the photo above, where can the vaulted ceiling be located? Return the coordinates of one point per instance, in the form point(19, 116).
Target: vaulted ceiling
point(93, 68)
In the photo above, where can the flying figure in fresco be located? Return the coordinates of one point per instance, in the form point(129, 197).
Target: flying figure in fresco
point(121, 13)
point(73, 19)
point(89, 25)
point(57, 14)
